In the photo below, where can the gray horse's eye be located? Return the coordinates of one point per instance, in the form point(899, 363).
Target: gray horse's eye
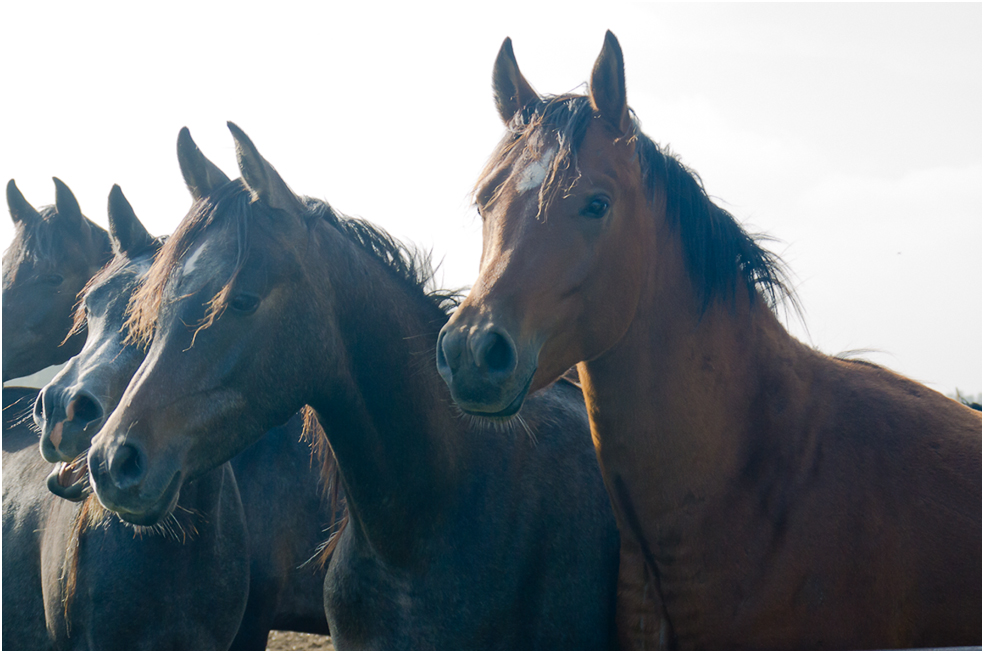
point(51, 280)
point(245, 303)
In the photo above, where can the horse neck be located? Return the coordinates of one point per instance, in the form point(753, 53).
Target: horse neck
point(388, 417)
point(687, 389)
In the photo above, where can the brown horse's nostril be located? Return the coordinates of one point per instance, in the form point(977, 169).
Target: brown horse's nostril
point(495, 352)
point(127, 466)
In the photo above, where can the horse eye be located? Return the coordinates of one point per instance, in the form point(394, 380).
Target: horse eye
point(52, 280)
point(597, 207)
point(245, 303)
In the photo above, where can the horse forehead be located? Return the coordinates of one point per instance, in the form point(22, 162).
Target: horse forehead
point(203, 262)
point(531, 168)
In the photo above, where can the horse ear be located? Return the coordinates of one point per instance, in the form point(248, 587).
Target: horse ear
point(264, 182)
point(21, 210)
point(126, 232)
point(511, 90)
point(201, 175)
point(607, 89)
point(65, 203)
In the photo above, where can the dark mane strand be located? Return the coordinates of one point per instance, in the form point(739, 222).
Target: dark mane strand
point(717, 250)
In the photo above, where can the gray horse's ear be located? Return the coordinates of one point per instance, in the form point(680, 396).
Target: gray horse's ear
point(65, 203)
point(511, 90)
point(126, 232)
point(264, 182)
point(201, 175)
point(21, 210)
point(607, 89)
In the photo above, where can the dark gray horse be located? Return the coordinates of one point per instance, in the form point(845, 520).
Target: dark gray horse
point(54, 253)
point(463, 534)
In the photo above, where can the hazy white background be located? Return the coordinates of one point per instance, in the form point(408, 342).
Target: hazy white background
point(851, 133)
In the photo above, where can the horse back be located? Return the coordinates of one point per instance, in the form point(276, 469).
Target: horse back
point(897, 471)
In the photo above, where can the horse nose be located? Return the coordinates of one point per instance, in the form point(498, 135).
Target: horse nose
point(127, 466)
point(493, 351)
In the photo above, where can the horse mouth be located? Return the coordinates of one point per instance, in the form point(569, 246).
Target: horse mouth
point(158, 511)
point(70, 481)
point(510, 410)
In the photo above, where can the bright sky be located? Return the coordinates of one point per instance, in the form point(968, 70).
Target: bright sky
point(850, 133)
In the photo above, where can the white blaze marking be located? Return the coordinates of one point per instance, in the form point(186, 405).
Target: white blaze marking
point(532, 176)
point(189, 266)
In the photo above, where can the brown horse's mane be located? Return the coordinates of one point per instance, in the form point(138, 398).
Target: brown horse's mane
point(717, 250)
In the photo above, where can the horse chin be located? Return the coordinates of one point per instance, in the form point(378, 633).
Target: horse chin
point(496, 410)
point(153, 512)
point(70, 481)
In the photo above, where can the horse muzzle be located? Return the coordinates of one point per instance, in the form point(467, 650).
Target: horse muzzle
point(484, 371)
point(124, 482)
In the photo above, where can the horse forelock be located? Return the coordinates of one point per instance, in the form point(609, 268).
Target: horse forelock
point(717, 250)
point(227, 206)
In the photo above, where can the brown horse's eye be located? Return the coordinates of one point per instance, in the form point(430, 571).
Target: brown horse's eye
point(244, 303)
point(51, 280)
point(596, 207)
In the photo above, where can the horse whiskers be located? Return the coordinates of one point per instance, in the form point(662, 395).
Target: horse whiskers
point(509, 425)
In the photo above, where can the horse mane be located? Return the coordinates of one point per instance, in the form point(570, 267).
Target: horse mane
point(233, 202)
point(45, 240)
point(717, 250)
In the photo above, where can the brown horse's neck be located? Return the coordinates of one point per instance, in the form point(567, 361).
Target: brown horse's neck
point(685, 384)
point(385, 409)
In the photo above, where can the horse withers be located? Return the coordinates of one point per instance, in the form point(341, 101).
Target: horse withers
point(816, 503)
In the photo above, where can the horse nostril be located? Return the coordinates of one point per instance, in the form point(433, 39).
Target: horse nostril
point(440, 352)
point(449, 352)
point(127, 467)
point(42, 408)
point(84, 408)
point(495, 353)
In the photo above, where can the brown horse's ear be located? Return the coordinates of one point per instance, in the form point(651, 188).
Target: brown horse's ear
point(264, 182)
point(607, 89)
point(201, 175)
point(21, 210)
point(65, 203)
point(126, 232)
point(511, 90)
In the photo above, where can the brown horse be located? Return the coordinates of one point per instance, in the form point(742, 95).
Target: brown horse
point(817, 502)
